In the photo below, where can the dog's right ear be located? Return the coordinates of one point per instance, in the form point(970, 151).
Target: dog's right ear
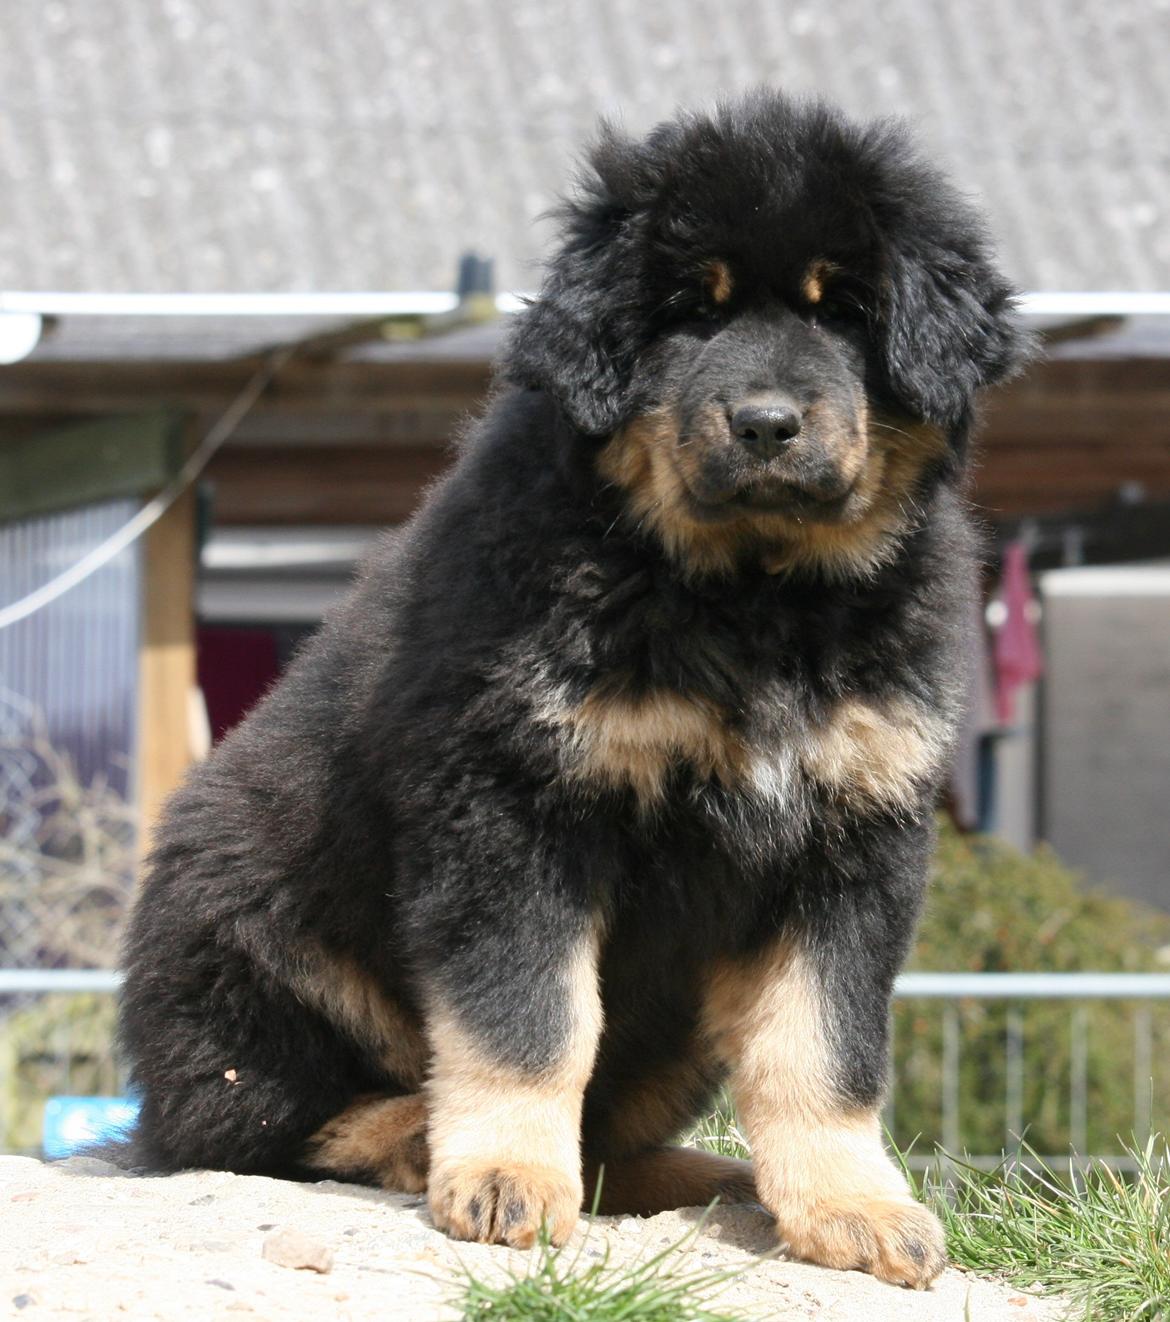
point(580, 338)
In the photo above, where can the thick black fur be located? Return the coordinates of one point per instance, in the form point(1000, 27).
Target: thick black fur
point(399, 799)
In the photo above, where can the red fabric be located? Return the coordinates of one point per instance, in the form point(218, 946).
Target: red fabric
point(1018, 659)
point(236, 668)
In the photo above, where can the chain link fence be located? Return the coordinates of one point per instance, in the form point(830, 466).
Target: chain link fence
point(67, 852)
point(67, 862)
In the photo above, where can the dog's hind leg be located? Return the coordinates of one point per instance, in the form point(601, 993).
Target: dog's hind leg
point(375, 1140)
point(663, 1179)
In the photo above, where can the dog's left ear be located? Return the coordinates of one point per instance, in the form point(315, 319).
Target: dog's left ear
point(949, 327)
point(580, 338)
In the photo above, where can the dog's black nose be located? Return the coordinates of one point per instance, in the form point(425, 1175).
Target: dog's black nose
point(766, 427)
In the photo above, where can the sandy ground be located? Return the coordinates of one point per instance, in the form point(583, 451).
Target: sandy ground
point(80, 1240)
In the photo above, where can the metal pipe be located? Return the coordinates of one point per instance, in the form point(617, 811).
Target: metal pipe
point(927, 986)
point(63, 303)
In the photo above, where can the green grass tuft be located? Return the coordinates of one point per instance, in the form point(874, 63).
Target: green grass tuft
point(560, 1288)
point(719, 1131)
point(1101, 1239)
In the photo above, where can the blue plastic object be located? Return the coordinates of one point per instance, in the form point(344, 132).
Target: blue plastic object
point(73, 1123)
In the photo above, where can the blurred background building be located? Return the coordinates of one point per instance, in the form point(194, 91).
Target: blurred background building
point(188, 184)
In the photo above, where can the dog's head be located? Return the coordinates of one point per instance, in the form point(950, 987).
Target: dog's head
point(776, 320)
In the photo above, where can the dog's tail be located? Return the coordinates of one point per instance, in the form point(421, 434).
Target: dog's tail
point(123, 1150)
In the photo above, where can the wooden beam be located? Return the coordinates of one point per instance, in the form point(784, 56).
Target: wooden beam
point(313, 386)
point(59, 468)
point(166, 674)
point(319, 485)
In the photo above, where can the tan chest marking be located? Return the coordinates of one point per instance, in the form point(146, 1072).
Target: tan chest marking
point(868, 755)
point(872, 755)
point(619, 741)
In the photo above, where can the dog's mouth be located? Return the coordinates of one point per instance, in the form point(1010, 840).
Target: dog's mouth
point(769, 496)
point(838, 502)
point(817, 482)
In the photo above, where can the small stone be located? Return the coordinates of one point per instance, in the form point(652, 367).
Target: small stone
point(629, 1225)
point(89, 1166)
point(232, 1076)
point(22, 1300)
point(68, 1258)
point(288, 1247)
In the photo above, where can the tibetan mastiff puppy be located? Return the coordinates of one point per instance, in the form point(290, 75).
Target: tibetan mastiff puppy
point(613, 778)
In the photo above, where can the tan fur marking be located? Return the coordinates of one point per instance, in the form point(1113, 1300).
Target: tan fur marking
point(619, 741)
point(875, 754)
point(505, 1146)
point(820, 1166)
point(812, 287)
point(349, 997)
point(718, 282)
point(666, 1178)
point(885, 460)
point(385, 1137)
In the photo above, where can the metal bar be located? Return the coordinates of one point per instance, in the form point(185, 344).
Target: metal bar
point(1037, 986)
point(61, 303)
point(889, 1114)
point(950, 1081)
point(1014, 1075)
point(17, 981)
point(990, 986)
point(1143, 1074)
point(927, 986)
point(1078, 1123)
point(373, 304)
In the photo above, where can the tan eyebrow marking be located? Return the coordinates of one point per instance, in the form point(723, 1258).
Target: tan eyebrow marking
point(718, 282)
point(813, 284)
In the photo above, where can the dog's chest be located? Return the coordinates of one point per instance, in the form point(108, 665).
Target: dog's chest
point(866, 753)
point(764, 709)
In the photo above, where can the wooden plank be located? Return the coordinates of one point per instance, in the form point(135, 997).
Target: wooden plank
point(321, 387)
point(166, 674)
point(63, 467)
point(322, 485)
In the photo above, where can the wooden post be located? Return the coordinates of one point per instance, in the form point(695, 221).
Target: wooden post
point(166, 668)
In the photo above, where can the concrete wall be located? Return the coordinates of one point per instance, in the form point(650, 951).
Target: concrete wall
point(1106, 725)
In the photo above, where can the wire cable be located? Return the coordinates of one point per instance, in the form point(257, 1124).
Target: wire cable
point(154, 509)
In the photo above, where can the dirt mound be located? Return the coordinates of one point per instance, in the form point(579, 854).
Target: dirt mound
point(82, 1240)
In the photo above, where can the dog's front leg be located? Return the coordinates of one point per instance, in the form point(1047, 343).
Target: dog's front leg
point(514, 1033)
point(806, 1078)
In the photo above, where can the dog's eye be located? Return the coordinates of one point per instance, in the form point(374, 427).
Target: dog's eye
point(833, 309)
point(833, 312)
point(703, 321)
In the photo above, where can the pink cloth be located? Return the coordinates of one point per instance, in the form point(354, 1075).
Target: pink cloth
point(1018, 659)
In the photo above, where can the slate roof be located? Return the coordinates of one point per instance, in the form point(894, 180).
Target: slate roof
point(363, 144)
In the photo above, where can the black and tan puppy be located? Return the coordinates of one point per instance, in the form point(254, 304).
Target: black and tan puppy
point(613, 777)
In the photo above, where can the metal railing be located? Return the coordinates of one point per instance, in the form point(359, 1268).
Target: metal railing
point(953, 990)
point(1015, 991)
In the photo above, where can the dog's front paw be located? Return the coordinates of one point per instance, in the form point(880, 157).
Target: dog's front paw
point(896, 1239)
point(504, 1203)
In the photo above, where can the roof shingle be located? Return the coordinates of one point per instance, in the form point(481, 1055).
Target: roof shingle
point(252, 145)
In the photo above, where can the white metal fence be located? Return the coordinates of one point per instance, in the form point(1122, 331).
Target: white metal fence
point(1143, 993)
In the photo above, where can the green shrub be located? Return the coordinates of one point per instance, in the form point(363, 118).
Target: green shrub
point(993, 909)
